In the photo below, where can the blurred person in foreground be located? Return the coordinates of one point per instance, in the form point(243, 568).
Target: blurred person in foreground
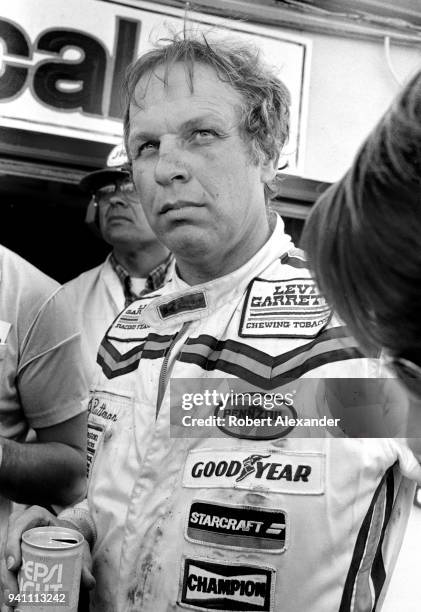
point(244, 520)
point(42, 387)
point(137, 264)
point(363, 239)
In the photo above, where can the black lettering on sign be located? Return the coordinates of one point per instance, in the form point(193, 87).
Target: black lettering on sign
point(87, 76)
point(68, 84)
point(12, 77)
point(128, 32)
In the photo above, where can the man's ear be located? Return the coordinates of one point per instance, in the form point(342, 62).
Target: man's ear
point(268, 169)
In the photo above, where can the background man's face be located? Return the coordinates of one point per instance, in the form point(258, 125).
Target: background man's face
point(122, 220)
point(192, 170)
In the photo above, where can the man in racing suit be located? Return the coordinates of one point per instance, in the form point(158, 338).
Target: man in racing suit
point(229, 518)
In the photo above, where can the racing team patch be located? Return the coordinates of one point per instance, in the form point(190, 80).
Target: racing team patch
point(275, 471)
point(237, 527)
point(285, 308)
point(206, 585)
point(129, 326)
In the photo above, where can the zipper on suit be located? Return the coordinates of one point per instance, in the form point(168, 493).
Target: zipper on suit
point(163, 375)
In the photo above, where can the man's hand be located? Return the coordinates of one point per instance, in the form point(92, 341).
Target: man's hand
point(19, 522)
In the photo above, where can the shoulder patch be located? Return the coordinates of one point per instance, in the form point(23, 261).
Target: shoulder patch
point(288, 308)
point(128, 325)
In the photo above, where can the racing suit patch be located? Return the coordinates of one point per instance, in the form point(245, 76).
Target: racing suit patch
point(206, 585)
point(129, 326)
point(275, 471)
point(100, 413)
point(291, 308)
point(95, 433)
point(237, 527)
point(184, 303)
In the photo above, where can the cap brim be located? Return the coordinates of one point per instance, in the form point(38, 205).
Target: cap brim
point(95, 180)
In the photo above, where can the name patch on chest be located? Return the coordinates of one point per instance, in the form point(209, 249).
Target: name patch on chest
point(184, 303)
point(283, 309)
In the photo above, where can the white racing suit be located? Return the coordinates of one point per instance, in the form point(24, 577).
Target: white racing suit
point(266, 521)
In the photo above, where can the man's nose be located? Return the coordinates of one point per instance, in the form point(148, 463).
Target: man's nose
point(170, 166)
point(118, 199)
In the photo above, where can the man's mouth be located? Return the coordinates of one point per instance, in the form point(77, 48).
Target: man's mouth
point(117, 218)
point(178, 205)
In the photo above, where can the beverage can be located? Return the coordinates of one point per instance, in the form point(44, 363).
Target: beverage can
point(49, 578)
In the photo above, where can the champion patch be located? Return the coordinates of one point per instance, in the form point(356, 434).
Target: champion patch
point(219, 586)
point(283, 309)
point(238, 527)
point(184, 303)
point(275, 471)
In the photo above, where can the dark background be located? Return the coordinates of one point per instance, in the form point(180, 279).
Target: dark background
point(43, 221)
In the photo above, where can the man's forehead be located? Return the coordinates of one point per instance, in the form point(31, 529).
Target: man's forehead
point(181, 81)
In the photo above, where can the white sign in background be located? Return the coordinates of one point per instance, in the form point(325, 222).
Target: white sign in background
point(98, 21)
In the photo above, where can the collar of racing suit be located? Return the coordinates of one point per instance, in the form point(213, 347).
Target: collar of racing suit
point(190, 303)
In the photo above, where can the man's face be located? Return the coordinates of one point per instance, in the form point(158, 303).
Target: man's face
point(122, 220)
point(193, 172)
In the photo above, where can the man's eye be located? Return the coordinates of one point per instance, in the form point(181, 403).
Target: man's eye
point(203, 135)
point(148, 147)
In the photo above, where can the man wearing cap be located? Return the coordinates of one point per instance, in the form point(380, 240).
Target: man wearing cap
point(137, 264)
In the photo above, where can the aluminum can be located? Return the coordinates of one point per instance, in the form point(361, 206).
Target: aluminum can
point(49, 578)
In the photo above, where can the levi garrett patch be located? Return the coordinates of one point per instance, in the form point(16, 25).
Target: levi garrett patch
point(291, 308)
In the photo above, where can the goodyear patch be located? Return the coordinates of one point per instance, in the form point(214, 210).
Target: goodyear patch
point(237, 527)
point(275, 471)
point(283, 309)
point(206, 585)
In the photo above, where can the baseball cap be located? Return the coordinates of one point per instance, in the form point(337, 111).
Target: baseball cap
point(117, 168)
